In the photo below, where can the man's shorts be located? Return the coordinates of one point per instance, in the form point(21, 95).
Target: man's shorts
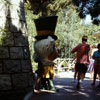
point(82, 68)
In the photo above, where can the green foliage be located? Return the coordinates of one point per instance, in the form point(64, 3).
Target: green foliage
point(31, 32)
point(69, 28)
point(47, 7)
point(3, 35)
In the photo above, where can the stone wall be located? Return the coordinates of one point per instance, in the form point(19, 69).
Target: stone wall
point(15, 63)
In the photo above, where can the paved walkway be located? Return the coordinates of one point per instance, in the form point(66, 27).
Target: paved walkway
point(67, 89)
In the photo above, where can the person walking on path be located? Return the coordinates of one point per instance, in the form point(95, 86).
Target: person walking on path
point(91, 65)
point(82, 59)
point(96, 57)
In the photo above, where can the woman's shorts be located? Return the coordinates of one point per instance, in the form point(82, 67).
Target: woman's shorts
point(82, 68)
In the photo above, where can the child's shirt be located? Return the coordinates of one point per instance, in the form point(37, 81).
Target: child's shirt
point(96, 56)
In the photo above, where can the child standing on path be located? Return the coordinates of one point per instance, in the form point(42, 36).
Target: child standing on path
point(96, 57)
point(91, 65)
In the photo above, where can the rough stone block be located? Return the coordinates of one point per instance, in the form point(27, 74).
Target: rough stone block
point(17, 12)
point(26, 66)
point(0, 66)
point(15, 25)
point(7, 40)
point(20, 81)
point(16, 52)
point(2, 22)
point(4, 52)
point(3, 9)
point(21, 41)
point(12, 66)
point(16, 2)
point(30, 77)
point(23, 28)
point(26, 53)
point(5, 82)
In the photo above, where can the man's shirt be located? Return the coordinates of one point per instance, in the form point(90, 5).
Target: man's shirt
point(82, 51)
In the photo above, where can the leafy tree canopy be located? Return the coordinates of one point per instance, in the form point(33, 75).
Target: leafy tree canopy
point(70, 27)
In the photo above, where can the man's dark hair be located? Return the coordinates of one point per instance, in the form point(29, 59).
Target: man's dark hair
point(84, 38)
point(98, 46)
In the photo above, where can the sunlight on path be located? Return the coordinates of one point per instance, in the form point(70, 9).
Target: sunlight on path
point(70, 74)
point(67, 89)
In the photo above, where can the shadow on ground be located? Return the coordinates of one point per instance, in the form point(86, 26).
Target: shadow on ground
point(67, 90)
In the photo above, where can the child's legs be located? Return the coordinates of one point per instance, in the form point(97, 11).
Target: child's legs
point(91, 73)
point(75, 73)
point(95, 73)
point(82, 76)
point(79, 76)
